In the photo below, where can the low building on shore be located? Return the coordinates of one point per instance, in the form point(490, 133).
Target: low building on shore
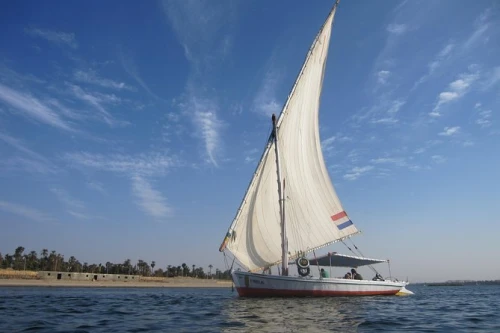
point(47, 275)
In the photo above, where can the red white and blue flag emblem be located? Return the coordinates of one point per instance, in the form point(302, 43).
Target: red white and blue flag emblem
point(341, 220)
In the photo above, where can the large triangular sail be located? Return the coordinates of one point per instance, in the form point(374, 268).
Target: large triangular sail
point(315, 216)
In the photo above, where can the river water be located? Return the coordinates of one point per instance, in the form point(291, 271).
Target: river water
point(431, 309)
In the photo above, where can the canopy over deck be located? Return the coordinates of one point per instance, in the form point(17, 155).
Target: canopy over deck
point(344, 260)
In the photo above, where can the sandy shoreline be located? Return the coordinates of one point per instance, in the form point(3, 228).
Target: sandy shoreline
point(169, 283)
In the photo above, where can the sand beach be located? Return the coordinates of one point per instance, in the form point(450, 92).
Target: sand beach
point(11, 278)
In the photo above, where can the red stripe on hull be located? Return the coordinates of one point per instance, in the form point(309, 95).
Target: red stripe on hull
point(262, 292)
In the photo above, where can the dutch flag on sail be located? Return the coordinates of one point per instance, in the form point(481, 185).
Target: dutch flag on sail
point(341, 220)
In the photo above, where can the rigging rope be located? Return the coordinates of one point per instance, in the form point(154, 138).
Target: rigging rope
point(360, 254)
point(317, 263)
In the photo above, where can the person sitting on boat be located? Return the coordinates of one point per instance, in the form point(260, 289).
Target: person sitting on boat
point(348, 275)
point(355, 275)
point(378, 277)
point(323, 273)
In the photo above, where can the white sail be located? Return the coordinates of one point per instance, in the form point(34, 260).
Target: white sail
point(314, 215)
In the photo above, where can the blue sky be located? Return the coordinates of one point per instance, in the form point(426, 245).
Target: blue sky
point(132, 130)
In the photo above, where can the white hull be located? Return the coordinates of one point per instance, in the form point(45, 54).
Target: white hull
point(261, 285)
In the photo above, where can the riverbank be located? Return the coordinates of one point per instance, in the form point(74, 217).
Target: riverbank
point(165, 283)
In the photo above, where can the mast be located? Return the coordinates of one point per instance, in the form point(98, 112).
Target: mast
point(284, 239)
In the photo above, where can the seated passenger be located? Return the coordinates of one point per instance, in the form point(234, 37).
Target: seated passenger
point(355, 275)
point(324, 274)
point(378, 277)
point(347, 275)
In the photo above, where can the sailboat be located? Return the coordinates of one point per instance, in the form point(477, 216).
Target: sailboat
point(290, 208)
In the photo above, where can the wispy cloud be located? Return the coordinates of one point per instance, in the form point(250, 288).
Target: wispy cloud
point(450, 131)
point(442, 57)
point(172, 126)
point(357, 172)
point(29, 160)
point(483, 116)
point(456, 90)
point(396, 106)
point(265, 101)
point(492, 79)
point(385, 120)
point(142, 164)
point(92, 77)
point(96, 186)
point(468, 143)
point(19, 145)
point(438, 159)
point(382, 76)
point(396, 161)
point(24, 211)
point(454, 50)
point(150, 200)
point(399, 161)
point(78, 215)
point(327, 145)
point(204, 116)
point(199, 25)
point(57, 37)
point(8, 75)
point(136, 168)
point(67, 200)
point(32, 108)
point(481, 25)
point(397, 29)
point(200, 29)
point(427, 146)
point(98, 101)
point(130, 67)
point(251, 155)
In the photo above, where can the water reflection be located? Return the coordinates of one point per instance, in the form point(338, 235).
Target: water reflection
point(342, 314)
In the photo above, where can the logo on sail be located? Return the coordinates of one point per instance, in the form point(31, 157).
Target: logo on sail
point(341, 220)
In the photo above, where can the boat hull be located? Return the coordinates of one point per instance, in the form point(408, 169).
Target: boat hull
point(263, 285)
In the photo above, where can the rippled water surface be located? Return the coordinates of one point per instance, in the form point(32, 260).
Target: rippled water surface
point(431, 309)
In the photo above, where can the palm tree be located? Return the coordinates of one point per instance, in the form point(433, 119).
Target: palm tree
point(153, 264)
point(45, 260)
point(169, 270)
point(193, 271)
point(210, 270)
point(18, 257)
point(33, 261)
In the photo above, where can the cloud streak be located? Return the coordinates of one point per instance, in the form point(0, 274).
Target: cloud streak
point(129, 66)
point(92, 77)
point(150, 200)
point(24, 211)
point(32, 108)
point(265, 101)
point(30, 165)
point(203, 113)
point(199, 26)
point(98, 101)
point(397, 29)
point(67, 200)
point(57, 37)
point(483, 116)
point(142, 164)
point(456, 90)
point(357, 172)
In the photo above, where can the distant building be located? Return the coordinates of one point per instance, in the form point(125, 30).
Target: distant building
point(46, 275)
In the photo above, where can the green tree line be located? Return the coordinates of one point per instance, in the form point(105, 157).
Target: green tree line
point(52, 261)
